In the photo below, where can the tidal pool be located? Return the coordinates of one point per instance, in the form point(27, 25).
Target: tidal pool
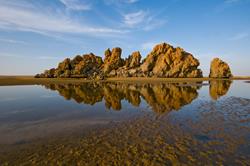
point(121, 123)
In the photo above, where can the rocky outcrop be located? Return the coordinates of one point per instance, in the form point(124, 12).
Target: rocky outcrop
point(112, 60)
point(86, 66)
point(76, 60)
point(163, 61)
point(134, 60)
point(219, 69)
point(167, 61)
point(89, 65)
point(63, 68)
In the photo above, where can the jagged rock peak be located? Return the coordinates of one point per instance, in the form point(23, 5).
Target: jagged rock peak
point(166, 61)
point(134, 60)
point(112, 60)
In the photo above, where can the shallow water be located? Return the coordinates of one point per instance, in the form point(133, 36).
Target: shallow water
point(115, 123)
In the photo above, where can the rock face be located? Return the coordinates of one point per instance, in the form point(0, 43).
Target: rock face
point(63, 68)
point(167, 61)
point(88, 65)
point(219, 69)
point(112, 60)
point(134, 60)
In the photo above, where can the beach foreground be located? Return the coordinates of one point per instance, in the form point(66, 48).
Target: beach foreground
point(30, 80)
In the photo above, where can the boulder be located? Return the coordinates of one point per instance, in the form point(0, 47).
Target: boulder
point(89, 64)
point(63, 66)
point(133, 60)
point(167, 61)
point(219, 69)
point(112, 60)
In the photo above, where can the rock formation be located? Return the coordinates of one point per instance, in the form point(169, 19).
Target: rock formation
point(167, 61)
point(219, 69)
point(88, 66)
point(163, 61)
point(112, 60)
point(134, 60)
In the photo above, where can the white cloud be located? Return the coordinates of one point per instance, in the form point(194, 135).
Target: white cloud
point(133, 19)
point(239, 36)
point(119, 2)
point(12, 41)
point(76, 5)
point(132, 1)
point(143, 20)
point(44, 22)
point(9, 55)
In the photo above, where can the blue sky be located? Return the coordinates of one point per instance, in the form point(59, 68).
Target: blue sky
point(37, 34)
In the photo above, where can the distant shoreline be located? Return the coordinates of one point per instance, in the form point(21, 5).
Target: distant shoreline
point(30, 80)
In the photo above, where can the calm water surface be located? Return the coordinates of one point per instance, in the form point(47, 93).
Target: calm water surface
point(115, 123)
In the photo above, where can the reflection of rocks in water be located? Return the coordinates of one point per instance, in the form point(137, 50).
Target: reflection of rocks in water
point(88, 93)
point(160, 97)
point(219, 88)
point(167, 97)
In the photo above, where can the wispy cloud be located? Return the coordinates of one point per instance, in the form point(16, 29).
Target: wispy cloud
point(131, 1)
point(43, 22)
point(10, 55)
point(143, 20)
point(119, 2)
point(239, 36)
point(77, 5)
point(133, 19)
point(12, 41)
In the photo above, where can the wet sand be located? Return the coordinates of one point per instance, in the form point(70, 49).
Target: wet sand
point(152, 140)
point(30, 80)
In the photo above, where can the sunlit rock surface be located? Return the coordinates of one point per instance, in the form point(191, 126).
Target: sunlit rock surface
point(167, 61)
point(163, 61)
point(219, 69)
